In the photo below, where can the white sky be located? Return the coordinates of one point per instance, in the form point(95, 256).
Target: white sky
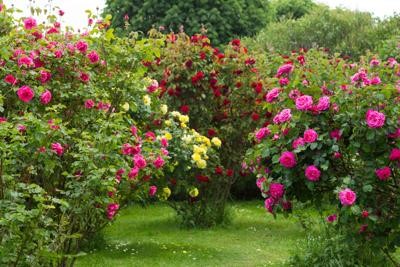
point(75, 15)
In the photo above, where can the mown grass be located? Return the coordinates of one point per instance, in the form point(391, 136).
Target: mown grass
point(152, 237)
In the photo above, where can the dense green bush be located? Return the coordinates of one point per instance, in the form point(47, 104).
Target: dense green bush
point(347, 32)
point(223, 19)
point(293, 9)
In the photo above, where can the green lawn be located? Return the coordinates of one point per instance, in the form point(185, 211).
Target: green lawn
point(151, 237)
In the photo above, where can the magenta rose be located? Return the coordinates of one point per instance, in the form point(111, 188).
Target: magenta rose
point(272, 95)
point(347, 197)
point(310, 136)
point(375, 119)
point(312, 173)
point(395, 154)
point(383, 173)
point(276, 190)
point(304, 102)
point(288, 159)
point(25, 94)
point(261, 133)
point(45, 97)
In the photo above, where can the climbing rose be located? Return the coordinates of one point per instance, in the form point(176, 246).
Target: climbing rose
point(312, 173)
point(269, 204)
point(347, 197)
point(152, 190)
point(25, 94)
point(383, 173)
point(276, 190)
point(45, 97)
point(57, 148)
point(375, 119)
point(310, 136)
point(288, 159)
point(30, 23)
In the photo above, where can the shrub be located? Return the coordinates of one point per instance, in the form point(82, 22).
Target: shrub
point(334, 136)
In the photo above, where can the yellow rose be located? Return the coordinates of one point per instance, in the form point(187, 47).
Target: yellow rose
point(146, 100)
point(168, 136)
point(166, 192)
point(216, 141)
point(196, 157)
point(184, 118)
point(201, 164)
point(199, 149)
point(194, 192)
point(168, 122)
point(183, 125)
point(125, 106)
point(164, 109)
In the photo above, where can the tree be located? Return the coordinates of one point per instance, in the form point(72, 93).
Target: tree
point(223, 19)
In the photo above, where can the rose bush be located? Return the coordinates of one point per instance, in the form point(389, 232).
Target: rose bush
point(219, 90)
point(339, 144)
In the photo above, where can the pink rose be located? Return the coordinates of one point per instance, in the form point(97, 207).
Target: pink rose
point(284, 81)
point(261, 133)
point(312, 173)
point(10, 79)
point(82, 46)
point(45, 76)
point(272, 95)
point(30, 23)
point(25, 94)
point(282, 117)
point(310, 136)
point(152, 190)
point(331, 218)
point(298, 142)
point(374, 62)
point(375, 119)
point(112, 210)
point(347, 197)
point(158, 162)
point(269, 204)
point(375, 80)
point(323, 103)
point(153, 87)
point(304, 102)
point(57, 148)
point(164, 142)
point(284, 69)
point(260, 182)
point(45, 97)
point(93, 57)
point(133, 173)
point(395, 154)
point(288, 159)
point(25, 61)
point(383, 173)
point(336, 134)
point(84, 77)
point(276, 190)
point(139, 161)
point(89, 104)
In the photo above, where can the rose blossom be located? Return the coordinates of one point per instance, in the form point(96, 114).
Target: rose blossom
point(304, 102)
point(331, 218)
point(158, 162)
point(269, 204)
point(139, 161)
point(89, 104)
point(57, 148)
point(298, 142)
point(375, 119)
point(323, 103)
point(45, 76)
point(335, 134)
point(395, 154)
point(312, 173)
point(45, 97)
point(261, 133)
point(112, 210)
point(282, 117)
point(284, 69)
point(25, 94)
point(310, 136)
point(276, 190)
point(82, 46)
point(288, 159)
point(347, 197)
point(10, 79)
point(272, 95)
point(93, 57)
point(133, 173)
point(383, 173)
point(260, 182)
point(152, 190)
point(30, 23)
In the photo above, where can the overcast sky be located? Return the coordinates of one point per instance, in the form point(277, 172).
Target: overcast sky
point(75, 9)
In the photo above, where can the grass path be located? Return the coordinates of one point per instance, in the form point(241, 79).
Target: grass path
point(151, 237)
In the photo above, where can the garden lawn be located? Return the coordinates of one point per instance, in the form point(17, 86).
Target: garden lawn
point(151, 237)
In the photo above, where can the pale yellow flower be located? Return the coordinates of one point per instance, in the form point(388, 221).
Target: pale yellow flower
point(194, 192)
point(201, 164)
point(216, 141)
point(164, 109)
point(146, 100)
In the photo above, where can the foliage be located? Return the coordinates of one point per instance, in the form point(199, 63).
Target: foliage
point(222, 19)
point(334, 138)
point(293, 9)
point(347, 32)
